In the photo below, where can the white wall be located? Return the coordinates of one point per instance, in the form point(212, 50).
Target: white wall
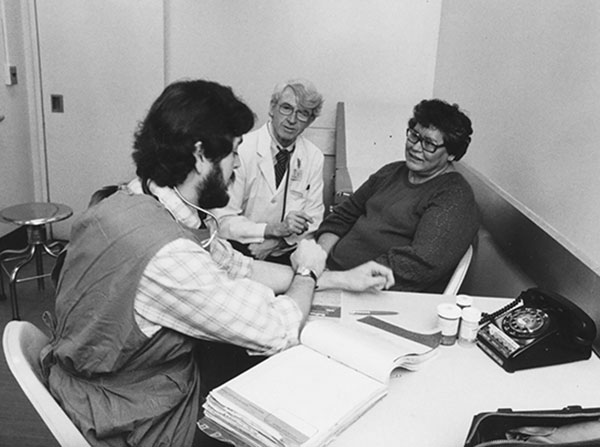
point(528, 71)
point(106, 60)
point(16, 171)
point(353, 50)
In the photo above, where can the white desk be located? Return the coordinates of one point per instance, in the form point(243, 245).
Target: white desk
point(433, 407)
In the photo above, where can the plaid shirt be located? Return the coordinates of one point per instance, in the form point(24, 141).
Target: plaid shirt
point(209, 295)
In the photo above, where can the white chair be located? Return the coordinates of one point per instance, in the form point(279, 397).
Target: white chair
point(22, 343)
point(459, 273)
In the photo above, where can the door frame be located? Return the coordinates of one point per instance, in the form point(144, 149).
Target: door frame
point(35, 102)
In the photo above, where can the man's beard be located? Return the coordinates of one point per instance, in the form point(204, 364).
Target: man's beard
point(212, 192)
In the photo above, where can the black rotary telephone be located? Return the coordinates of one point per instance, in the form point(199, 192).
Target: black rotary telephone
point(539, 328)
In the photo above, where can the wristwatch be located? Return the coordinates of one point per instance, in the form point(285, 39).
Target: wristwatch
point(305, 271)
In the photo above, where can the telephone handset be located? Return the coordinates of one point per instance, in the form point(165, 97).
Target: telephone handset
point(539, 328)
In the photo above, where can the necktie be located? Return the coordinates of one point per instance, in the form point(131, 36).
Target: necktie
point(283, 158)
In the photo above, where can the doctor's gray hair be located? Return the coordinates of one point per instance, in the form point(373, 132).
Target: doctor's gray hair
point(306, 93)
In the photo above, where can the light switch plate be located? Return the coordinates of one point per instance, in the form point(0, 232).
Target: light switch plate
point(10, 75)
point(12, 72)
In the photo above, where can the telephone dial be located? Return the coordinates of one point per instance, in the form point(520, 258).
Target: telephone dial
point(539, 328)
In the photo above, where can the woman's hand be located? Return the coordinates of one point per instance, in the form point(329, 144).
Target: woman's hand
point(368, 276)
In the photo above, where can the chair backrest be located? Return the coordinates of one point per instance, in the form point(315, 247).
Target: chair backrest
point(22, 343)
point(459, 273)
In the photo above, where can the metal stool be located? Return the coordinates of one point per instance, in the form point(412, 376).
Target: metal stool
point(34, 216)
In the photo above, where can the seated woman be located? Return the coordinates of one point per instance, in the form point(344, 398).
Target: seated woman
point(417, 216)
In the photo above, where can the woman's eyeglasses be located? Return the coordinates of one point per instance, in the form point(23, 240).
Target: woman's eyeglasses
point(428, 146)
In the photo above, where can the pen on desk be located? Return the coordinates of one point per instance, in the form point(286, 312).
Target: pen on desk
point(373, 312)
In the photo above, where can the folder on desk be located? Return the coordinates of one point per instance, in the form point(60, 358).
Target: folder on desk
point(308, 394)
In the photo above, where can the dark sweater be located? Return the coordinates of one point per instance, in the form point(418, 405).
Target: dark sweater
point(419, 231)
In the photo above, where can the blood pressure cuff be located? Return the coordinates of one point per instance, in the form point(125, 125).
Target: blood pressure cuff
point(570, 427)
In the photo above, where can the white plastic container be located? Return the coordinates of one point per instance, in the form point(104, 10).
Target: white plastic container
point(448, 319)
point(469, 326)
point(463, 301)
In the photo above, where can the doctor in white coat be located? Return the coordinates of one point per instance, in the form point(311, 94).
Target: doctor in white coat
point(268, 213)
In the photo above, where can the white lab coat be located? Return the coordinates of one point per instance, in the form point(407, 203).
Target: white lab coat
point(254, 200)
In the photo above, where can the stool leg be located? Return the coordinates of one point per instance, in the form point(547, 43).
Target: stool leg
point(12, 279)
point(12, 255)
point(51, 248)
point(39, 267)
point(2, 295)
point(13, 301)
point(8, 255)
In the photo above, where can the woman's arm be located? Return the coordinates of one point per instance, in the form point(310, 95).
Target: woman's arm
point(343, 216)
point(327, 241)
point(369, 275)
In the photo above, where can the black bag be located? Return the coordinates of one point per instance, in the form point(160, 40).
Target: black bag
point(570, 427)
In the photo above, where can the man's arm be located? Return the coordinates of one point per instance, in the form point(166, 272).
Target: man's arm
point(283, 280)
point(370, 275)
point(184, 289)
point(275, 276)
point(280, 278)
point(308, 259)
point(233, 225)
point(240, 228)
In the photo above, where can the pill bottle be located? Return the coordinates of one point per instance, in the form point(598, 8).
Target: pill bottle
point(463, 301)
point(448, 318)
point(469, 326)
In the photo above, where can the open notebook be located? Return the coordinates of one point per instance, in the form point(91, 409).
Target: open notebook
point(308, 394)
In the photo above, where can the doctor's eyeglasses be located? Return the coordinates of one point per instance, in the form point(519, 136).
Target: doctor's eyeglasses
point(428, 146)
point(301, 115)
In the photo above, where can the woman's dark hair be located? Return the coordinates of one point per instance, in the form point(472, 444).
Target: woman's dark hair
point(449, 120)
point(187, 112)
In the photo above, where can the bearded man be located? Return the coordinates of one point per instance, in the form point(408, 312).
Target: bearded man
point(143, 283)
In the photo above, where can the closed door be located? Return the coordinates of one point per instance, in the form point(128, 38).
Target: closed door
point(102, 64)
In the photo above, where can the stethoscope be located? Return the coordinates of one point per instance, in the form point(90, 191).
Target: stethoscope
point(204, 244)
point(287, 173)
point(285, 191)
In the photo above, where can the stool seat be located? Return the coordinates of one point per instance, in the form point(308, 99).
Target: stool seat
point(36, 213)
point(34, 216)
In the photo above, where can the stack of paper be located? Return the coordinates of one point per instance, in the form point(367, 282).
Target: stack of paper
point(308, 394)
